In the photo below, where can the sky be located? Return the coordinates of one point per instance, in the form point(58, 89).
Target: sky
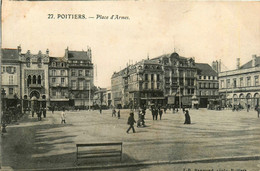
point(207, 31)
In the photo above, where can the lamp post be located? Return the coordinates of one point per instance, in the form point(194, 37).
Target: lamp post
point(89, 91)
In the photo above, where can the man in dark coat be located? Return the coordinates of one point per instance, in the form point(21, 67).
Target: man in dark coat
point(160, 113)
point(156, 113)
point(153, 113)
point(187, 117)
point(131, 122)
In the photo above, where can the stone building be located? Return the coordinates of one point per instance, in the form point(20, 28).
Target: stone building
point(80, 78)
point(117, 89)
point(207, 84)
point(58, 82)
point(179, 78)
point(35, 76)
point(11, 75)
point(241, 86)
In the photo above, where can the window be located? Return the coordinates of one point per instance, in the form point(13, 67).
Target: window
point(11, 91)
point(158, 77)
point(28, 62)
point(234, 83)
point(256, 80)
point(248, 81)
point(200, 77)
point(53, 80)
point(88, 86)
point(205, 85)
point(228, 83)
point(11, 80)
point(200, 85)
point(73, 73)
point(3, 69)
point(34, 79)
point(188, 91)
point(222, 85)
point(62, 72)
point(81, 85)
point(80, 73)
point(146, 77)
point(39, 79)
point(192, 82)
point(241, 82)
point(152, 85)
point(204, 77)
point(209, 77)
point(151, 77)
point(62, 81)
point(53, 73)
point(62, 92)
point(87, 73)
point(192, 91)
point(73, 84)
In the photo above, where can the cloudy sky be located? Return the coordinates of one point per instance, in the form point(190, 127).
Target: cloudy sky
point(205, 30)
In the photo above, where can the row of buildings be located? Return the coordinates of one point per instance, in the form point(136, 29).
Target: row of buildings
point(57, 81)
point(165, 80)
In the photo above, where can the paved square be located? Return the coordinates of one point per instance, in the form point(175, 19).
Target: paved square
point(50, 144)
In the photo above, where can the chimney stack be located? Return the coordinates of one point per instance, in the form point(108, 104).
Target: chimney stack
point(219, 66)
point(238, 63)
point(47, 51)
point(254, 61)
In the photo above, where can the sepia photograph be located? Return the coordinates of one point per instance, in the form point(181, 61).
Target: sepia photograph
point(130, 85)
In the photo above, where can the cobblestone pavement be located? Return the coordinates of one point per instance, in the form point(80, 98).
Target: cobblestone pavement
point(212, 134)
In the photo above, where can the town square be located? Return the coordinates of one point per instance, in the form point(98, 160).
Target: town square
point(130, 86)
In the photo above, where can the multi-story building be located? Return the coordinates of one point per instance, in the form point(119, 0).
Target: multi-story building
point(179, 79)
point(207, 84)
point(117, 89)
point(108, 97)
point(241, 86)
point(58, 82)
point(80, 68)
point(11, 72)
point(35, 82)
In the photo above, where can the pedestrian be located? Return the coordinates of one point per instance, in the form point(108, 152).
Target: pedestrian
point(100, 110)
point(39, 114)
point(248, 107)
point(160, 113)
point(44, 112)
point(143, 111)
point(183, 109)
point(63, 116)
point(52, 109)
point(114, 112)
point(258, 111)
point(118, 114)
point(131, 122)
point(156, 113)
point(187, 117)
point(153, 113)
point(142, 118)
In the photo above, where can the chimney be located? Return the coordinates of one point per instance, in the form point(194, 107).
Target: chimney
point(219, 66)
point(238, 63)
point(19, 49)
point(254, 61)
point(47, 51)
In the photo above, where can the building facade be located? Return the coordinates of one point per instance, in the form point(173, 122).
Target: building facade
point(58, 82)
point(11, 72)
point(207, 84)
point(241, 86)
point(80, 68)
point(179, 81)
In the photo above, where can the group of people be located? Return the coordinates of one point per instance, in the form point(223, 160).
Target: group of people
point(155, 111)
point(114, 113)
point(39, 112)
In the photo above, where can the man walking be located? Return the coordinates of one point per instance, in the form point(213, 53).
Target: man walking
point(131, 122)
point(160, 113)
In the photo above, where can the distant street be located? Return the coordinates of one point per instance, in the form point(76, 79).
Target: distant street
point(212, 134)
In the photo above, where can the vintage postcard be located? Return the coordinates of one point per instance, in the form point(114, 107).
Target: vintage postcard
point(130, 85)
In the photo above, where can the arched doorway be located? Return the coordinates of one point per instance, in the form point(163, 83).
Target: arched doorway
point(249, 99)
point(35, 94)
point(35, 105)
point(242, 100)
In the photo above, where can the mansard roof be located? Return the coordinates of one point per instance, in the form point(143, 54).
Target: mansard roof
point(10, 55)
point(249, 63)
point(205, 69)
point(78, 55)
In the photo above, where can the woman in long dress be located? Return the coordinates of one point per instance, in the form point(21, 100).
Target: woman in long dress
point(187, 117)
